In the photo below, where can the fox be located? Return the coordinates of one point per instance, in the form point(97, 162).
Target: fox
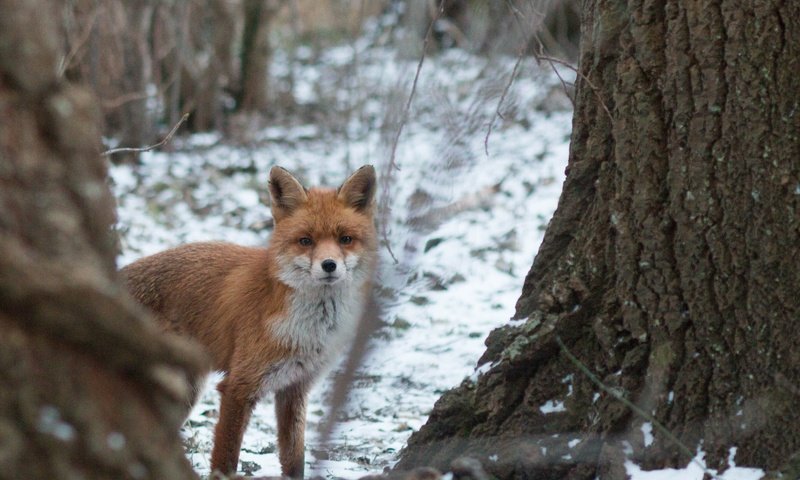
point(271, 318)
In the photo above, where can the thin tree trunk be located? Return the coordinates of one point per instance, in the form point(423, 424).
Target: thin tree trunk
point(670, 267)
point(90, 388)
point(256, 55)
point(136, 123)
point(179, 59)
point(216, 75)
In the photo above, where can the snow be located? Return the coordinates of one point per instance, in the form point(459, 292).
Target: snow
point(463, 251)
point(553, 406)
point(50, 422)
point(647, 432)
point(479, 371)
point(694, 470)
point(116, 441)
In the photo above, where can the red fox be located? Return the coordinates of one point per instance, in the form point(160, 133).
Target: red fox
point(270, 318)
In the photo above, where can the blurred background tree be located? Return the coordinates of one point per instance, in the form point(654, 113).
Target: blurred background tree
point(151, 61)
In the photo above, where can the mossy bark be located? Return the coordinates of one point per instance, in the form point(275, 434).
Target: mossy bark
point(90, 389)
point(670, 268)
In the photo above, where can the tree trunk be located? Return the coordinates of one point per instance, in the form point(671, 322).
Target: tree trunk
point(670, 266)
point(135, 122)
point(215, 75)
point(89, 387)
point(256, 55)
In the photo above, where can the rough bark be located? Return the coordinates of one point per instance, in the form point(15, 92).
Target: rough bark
point(670, 266)
point(89, 387)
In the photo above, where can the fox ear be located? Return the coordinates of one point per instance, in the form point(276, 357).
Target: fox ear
point(285, 193)
point(358, 191)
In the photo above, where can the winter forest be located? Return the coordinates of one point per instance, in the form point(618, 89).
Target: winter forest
point(579, 251)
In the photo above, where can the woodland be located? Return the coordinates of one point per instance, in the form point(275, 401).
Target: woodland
point(588, 211)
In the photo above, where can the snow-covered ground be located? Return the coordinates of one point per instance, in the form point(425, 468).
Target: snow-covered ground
point(696, 469)
point(463, 224)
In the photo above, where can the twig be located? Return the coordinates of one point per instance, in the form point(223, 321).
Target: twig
point(150, 147)
point(564, 84)
point(540, 56)
point(403, 120)
point(618, 396)
point(407, 109)
point(503, 97)
point(66, 60)
point(388, 246)
point(120, 100)
point(517, 15)
point(551, 60)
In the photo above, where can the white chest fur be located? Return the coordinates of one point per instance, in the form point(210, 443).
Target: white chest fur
point(319, 324)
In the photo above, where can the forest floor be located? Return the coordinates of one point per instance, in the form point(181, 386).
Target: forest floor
point(464, 227)
point(466, 218)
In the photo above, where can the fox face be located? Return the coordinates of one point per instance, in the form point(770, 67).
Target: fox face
point(323, 237)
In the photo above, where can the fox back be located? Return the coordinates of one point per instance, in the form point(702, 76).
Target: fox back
point(271, 318)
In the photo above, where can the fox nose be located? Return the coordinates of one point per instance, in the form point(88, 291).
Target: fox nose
point(328, 265)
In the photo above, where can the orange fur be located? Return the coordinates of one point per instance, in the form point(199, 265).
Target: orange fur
point(272, 317)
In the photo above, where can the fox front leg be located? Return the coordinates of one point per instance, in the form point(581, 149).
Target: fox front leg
point(290, 409)
point(238, 401)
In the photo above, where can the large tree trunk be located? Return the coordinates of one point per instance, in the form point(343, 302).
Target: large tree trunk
point(89, 387)
point(670, 268)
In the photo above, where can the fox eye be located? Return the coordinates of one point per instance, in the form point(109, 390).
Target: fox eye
point(345, 239)
point(305, 241)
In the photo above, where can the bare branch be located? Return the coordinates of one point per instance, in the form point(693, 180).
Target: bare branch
point(392, 158)
point(564, 85)
point(66, 60)
point(540, 56)
point(151, 147)
point(404, 118)
point(503, 97)
point(552, 60)
point(121, 100)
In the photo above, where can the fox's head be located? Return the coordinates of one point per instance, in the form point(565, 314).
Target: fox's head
point(323, 236)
